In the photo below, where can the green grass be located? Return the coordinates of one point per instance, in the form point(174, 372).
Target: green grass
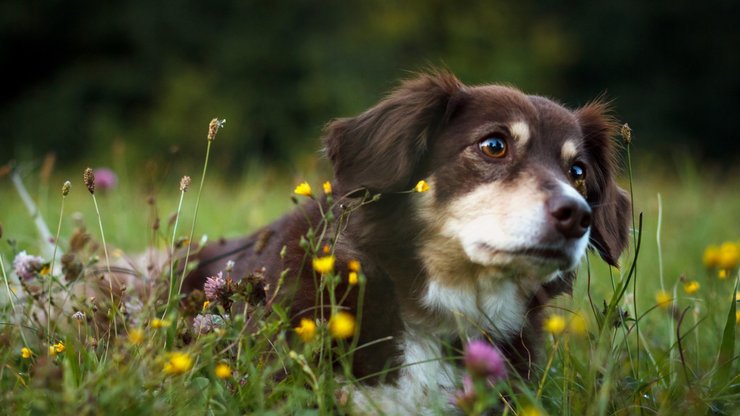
point(606, 370)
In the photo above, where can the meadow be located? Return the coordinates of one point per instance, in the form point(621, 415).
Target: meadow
point(656, 336)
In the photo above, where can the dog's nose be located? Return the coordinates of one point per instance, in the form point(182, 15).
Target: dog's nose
point(570, 216)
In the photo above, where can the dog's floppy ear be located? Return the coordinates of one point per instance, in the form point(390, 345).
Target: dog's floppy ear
point(380, 149)
point(610, 203)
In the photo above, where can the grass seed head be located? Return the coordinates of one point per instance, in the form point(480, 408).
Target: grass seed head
point(185, 183)
point(213, 127)
point(89, 178)
point(626, 133)
point(66, 187)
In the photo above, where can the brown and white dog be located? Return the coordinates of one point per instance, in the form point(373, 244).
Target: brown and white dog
point(520, 186)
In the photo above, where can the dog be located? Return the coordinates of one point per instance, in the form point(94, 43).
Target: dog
point(519, 188)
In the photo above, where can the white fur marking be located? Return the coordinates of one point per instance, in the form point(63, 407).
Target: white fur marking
point(569, 151)
point(520, 131)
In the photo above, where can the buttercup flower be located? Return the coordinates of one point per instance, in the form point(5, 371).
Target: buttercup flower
point(26, 353)
point(306, 330)
point(729, 254)
point(421, 186)
point(136, 336)
point(555, 324)
point(578, 325)
point(303, 189)
point(177, 363)
point(722, 274)
point(57, 348)
point(342, 325)
point(160, 323)
point(530, 411)
point(222, 371)
point(353, 266)
point(353, 279)
point(26, 265)
point(484, 360)
point(711, 256)
point(323, 264)
point(691, 287)
point(663, 299)
point(327, 187)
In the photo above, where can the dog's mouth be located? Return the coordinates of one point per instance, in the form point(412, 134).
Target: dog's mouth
point(539, 255)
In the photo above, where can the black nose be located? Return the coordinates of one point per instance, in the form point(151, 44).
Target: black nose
point(570, 216)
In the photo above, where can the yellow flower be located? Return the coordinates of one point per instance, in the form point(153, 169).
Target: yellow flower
point(342, 325)
point(327, 187)
point(306, 330)
point(57, 348)
point(722, 274)
point(45, 270)
point(353, 266)
point(206, 304)
point(531, 411)
point(26, 353)
point(737, 317)
point(578, 325)
point(136, 336)
point(352, 278)
point(52, 350)
point(729, 254)
point(555, 324)
point(711, 256)
point(222, 370)
point(422, 186)
point(160, 323)
point(326, 249)
point(303, 189)
point(177, 363)
point(691, 287)
point(663, 299)
point(323, 264)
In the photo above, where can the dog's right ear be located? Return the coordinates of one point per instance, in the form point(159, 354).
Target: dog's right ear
point(380, 149)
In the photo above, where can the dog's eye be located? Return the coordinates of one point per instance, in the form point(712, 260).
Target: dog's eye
point(493, 146)
point(577, 172)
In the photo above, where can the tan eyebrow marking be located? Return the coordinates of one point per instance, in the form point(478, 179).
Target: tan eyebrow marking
point(520, 131)
point(569, 151)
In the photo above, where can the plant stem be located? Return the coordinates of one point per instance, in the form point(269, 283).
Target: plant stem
point(51, 268)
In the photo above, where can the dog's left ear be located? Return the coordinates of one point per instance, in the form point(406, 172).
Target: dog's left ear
point(381, 148)
point(610, 203)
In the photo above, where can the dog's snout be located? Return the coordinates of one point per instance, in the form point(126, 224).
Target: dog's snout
point(570, 216)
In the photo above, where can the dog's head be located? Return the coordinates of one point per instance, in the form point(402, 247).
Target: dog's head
point(518, 183)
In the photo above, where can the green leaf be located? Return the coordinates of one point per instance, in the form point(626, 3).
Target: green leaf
point(726, 349)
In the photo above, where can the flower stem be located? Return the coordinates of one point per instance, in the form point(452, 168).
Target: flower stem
point(114, 309)
point(51, 268)
point(172, 255)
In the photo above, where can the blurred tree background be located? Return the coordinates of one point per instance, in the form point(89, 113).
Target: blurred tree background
point(83, 77)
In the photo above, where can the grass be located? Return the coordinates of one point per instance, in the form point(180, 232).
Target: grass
point(680, 358)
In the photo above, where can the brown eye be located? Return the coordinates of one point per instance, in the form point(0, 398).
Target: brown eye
point(493, 146)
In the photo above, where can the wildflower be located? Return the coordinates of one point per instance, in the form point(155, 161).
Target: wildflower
point(691, 287)
point(136, 336)
point(203, 324)
point(206, 304)
point(722, 274)
point(465, 398)
point(484, 360)
point(342, 325)
point(327, 187)
point(222, 371)
point(26, 353)
point(57, 348)
point(306, 330)
point(531, 411)
point(105, 179)
point(303, 189)
point(78, 316)
point(711, 256)
point(66, 187)
point(213, 127)
point(229, 266)
point(26, 265)
point(177, 363)
point(326, 249)
point(88, 177)
point(323, 264)
point(578, 325)
point(663, 299)
point(353, 279)
point(160, 323)
point(185, 183)
point(729, 254)
point(353, 266)
point(214, 286)
point(421, 186)
point(555, 324)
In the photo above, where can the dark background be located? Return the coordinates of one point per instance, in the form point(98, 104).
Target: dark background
point(83, 77)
